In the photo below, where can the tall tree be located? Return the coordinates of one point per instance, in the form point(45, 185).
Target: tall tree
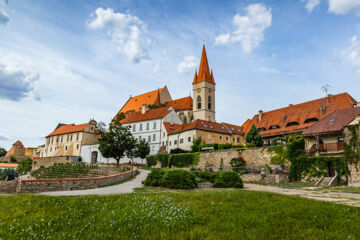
point(254, 137)
point(115, 142)
point(143, 149)
point(2, 152)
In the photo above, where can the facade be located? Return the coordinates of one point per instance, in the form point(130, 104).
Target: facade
point(67, 139)
point(296, 118)
point(18, 149)
point(327, 136)
point(182, 135)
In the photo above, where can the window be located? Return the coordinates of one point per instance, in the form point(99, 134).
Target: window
point(181, 140)
point(163, 143)
point(57, 139)
point(163, 134)
point(77, 137)
point(198, 102)
point(154, 127)
point(77, 146)
point(262, 129)
point(147, 126)
point(139, 138)
point(61, 139)
point(50, 149)
point(140, 126)
point(309, 120)
point(238, 139)
point(71, 137)
point(153, 148)
point(233, 139)
point(292, 124)
point(65, 147)
point(274, 127)
point(175, 141)
point(209, 102)
point(340, 139)
point(221, 137)
point(149, 138)
point(189, 139)
point(67, 138)
point(154, 137)
point(227, 138)
point(169, 143)
point(134, 128)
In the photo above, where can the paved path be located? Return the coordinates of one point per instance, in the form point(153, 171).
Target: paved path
point(127, 187)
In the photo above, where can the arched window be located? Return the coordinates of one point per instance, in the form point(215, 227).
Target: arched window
point(209, 102)
point(199, 102)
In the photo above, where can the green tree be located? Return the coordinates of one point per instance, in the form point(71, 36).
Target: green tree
point(115, 142)
point(143, 149)
point(2, 152)
point(196, 144)
point(24, 166)
point(254, 137)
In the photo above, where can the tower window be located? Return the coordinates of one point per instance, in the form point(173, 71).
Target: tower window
point(199, 102)
point(209, 102)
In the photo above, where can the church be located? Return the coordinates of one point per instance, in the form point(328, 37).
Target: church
point(203, 93)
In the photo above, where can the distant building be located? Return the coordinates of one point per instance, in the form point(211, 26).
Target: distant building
point(67, 139)
point(296, 118)
point(18, 149)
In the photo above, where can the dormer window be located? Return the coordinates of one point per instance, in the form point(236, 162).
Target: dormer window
point(323, 108)
point(292, 124)
point(274, 127)
point(262, 129)
point(309, 120)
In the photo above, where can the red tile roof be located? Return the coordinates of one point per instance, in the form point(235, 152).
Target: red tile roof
point(135, 103)
point(185, 103)
point(298, 113)
point(151, 114)
point(202, 125)
point(18, 143)
point(334, 122)
point(204, 71)
point(68, 128)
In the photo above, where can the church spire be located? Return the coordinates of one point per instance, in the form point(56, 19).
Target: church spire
point(204, 70)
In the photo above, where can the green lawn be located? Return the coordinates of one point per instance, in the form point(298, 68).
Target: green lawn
point(285, 184)
point(227, 214)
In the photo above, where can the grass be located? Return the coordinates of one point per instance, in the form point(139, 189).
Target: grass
point(295, 185)
point(344, 189)
point(234, 214)
point(124, 181)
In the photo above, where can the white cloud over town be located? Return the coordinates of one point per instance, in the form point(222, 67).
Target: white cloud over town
point(126, 31)
point(249, 28)
point(352, 54)
point(344, 6)
point(188, 64)
point(310, 5)
point(3, 17)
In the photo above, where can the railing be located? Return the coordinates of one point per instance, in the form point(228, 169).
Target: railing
point(328, 147)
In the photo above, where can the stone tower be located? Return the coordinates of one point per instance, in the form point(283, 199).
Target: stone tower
point(204, 91)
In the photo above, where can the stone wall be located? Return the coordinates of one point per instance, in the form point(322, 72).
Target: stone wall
point(8, 158)
point(49, 161)
point(252, 157)
point(47, 185)
point(354, 178)
point(8, 186)
point(271, 178)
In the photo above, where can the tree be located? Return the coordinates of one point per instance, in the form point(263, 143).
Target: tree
point(254, 137)
point(2, 152)
point(143, 149)
point(196, 144)
point(115, 142)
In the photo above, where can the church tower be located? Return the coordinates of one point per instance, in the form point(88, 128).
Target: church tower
point(204, 91)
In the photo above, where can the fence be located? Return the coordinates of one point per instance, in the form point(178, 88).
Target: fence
point(243, 170)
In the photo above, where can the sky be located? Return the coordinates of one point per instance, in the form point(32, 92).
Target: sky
point(71, 61)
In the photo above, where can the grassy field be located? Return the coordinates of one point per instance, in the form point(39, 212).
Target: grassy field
point(227, 214)
point(285, 184)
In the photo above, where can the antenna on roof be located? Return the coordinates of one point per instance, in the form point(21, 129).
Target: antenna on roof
point(325, 89)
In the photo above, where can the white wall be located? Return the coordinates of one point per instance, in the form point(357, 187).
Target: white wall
point(185, 136)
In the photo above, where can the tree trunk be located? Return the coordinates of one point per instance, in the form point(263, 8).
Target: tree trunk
point(117, 163)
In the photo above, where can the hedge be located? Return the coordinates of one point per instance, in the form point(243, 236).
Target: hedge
point(316, 167)
point(184, 159)
point(217, 146)
point(208, 176)
point(154, 178)
point(163, 159)
point(228, 179)
point(179, 179)
point(151, 160)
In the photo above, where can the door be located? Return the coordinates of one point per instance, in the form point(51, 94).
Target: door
point(331, 169)
point(94, 156)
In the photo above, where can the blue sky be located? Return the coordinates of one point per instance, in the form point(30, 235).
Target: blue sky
point(69, 61)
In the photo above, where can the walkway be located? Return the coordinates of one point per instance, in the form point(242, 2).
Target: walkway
point(126, 187)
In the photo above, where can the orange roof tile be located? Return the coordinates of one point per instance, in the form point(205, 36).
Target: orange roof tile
point(135, 103)
point(185, 103)
point(8, 165)
point(204, 71)
point(197, 124)
point(18, 143)
point(151, 114)
point(298, 113)
point(68, 128)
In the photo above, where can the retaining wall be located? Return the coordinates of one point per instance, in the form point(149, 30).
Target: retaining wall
point(49, 161)
point(8, 186)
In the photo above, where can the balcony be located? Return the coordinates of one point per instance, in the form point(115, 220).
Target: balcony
point(328, 148)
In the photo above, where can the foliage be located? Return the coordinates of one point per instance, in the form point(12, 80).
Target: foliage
point(277, 141)
point(154, 177)
point(179, 179)
point(115, 142)
point(280, 154)
point(316, 167)
point(254, 137)
point(184, 159)
point(352, 150)
point(237, 164)
point(208, 176)
point(142, 149)
point(24, 166)
point(2, 152)
point(151, 160)
point(225, 146)
point(228, 179)
point(196, 143)
point(178, 150)
point(13, 159)
point(295, 147)
point(269, 169)
point(7, 172)
point(164, 159)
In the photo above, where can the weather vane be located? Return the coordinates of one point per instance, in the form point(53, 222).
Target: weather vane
point(325, 89)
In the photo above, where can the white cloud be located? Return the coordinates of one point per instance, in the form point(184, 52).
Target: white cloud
point(18, 78)
point(126, 31)
point(156, 68)
point(3, 17)
point(3, 137)
point(249, 28)
point(344, 6)
point(352, 54)
point(188, 64)
point(311, 4)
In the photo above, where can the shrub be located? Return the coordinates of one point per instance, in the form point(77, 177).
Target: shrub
point(163, 159)
point(151, 160)
point(24, 166)
point(184, 159)
point(254, 137)
point(215, 146)
point(225, 146)
point(13, 159)
point(177, 150)
point(66, 170)
point(179, 179)
point(154, 177)
point(208, 176)
point(228, 179)
point(240, 146)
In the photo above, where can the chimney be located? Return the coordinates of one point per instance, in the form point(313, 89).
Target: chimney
point(143, 109)
point(260, 115)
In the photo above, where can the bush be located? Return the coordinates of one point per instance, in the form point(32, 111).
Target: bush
point(24, 166)
point(184, 159)
point(178, 150)
point(66, 170)
point(163, 159)
point(240, 146)
point(208, 176)
point(179, 179)
point(154, 177)
point(151, 160)
point(225, 146)
point(237, 163)
point(13, 159)
point(228, 179)
point(215, 146)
